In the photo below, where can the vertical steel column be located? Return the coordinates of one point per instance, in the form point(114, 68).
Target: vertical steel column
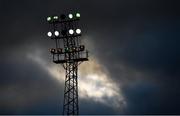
point(70, 105)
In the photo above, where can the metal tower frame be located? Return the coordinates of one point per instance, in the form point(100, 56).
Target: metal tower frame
point(69, 52)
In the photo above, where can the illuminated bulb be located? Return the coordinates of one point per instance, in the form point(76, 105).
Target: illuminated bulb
point(71, 31)
point(70, 16)
point(48, 19)
point(78, 31)
point(82, 47)
point(52, 50)
point(78, 15)
point(56, 33)
point(74, 49)
point(55, 17)
point(49, 34)
point(66, 49)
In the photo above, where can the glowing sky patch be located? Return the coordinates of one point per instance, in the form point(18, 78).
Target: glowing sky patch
point(94, 81)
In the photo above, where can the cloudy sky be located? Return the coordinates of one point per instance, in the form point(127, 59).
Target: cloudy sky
point(134, 65)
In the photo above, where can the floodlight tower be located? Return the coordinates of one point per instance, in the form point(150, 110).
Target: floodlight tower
point(69, 52)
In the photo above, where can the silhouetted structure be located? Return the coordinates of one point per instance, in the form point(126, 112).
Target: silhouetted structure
point(70, 53)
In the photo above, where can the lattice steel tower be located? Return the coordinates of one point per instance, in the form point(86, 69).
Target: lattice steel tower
point(69, 52)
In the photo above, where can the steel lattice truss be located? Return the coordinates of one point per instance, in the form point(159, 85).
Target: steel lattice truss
point(71, 90)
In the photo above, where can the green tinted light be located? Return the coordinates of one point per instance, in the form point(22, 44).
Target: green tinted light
point(66, 49)
point(78, 15)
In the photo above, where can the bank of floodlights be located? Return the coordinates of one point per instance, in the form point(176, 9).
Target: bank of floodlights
point(56, 18)
point(60, 50)
point(67, 50)
point(75, 49)
point(77, 16)
point(50, 34)
point(64, 33)
point(56, 51)
point(69, 32)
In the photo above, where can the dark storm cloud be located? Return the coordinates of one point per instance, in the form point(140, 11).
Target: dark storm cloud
point(148, 44)
point(24, 87)
point(144, 39)
point(93, 108)
point(20, 18)
point(148, 98)
point(129, 36)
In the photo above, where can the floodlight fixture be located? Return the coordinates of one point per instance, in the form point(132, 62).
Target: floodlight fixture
point(55, 17)
point(78, 15)
point(82, 47)
point(74, 49)
point(77, 49)
point(66, 49)
point(71, 31)
point(49, 34)
point(52, 50)
point(56, 33)
point(70, 16)
point(78, 31)
point(59, 50)
point(48, 18)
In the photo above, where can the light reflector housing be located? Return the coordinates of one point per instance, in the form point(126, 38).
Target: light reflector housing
point(70, 16)
point(55, 17)
point(48, 19)
point(78, 15)
point(56, 33)
point(78, 31)
point(49, 34)
point(71, 31)
point(82, 47)
point(66, 49)
point(59, 50)
point(52, 50)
